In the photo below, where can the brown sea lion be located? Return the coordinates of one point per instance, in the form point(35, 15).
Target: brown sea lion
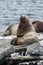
point(24, 26)
point(38, 25)
point(25, 33)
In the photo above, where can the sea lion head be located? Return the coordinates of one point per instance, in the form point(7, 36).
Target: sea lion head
point(24, 21)
point(8, 30)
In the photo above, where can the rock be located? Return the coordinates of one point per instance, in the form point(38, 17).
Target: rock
point(36, 48)
point(40, 62)
point(14, 54)
point(5, 47)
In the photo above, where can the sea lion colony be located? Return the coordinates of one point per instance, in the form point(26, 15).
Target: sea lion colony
point(25, 31)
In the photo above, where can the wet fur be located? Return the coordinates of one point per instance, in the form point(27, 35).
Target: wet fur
point(24, 26)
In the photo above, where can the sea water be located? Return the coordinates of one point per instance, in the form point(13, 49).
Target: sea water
point(11, 10)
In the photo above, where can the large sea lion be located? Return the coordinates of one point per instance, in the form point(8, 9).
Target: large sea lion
point(38, 25)
point(25, 33)
point(24, 26)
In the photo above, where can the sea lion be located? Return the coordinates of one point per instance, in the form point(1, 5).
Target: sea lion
point(24, 26)
point(26, 33)
point(10, 30)
point(38, 25)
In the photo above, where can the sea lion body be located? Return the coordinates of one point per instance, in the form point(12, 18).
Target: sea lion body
point(28, 38)
point(25, 33)
point(38, 25)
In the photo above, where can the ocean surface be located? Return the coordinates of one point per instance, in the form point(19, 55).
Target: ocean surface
point(11, 10)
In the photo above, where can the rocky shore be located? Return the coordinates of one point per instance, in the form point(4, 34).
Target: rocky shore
point(27, 53)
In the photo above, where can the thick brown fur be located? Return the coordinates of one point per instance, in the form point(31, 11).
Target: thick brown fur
point(38, 25)
point(24, 26)
point(25, 33)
